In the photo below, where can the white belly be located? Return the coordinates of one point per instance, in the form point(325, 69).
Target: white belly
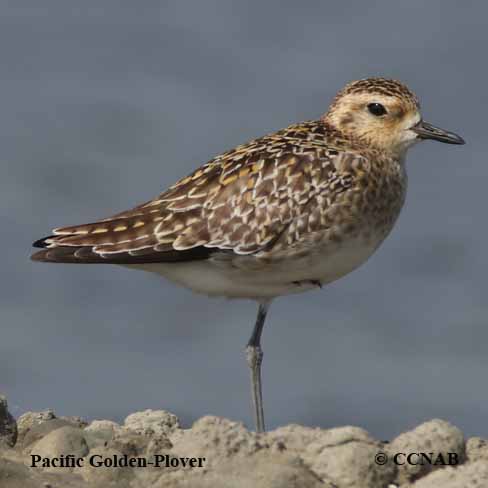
point(246, 277)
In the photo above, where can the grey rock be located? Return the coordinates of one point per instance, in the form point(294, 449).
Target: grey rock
point(436, 437)
point(97, 439)
point(472, 475)
point(217, 438)
point(34, 425)
point(476, 449)
point(262, 470)
point(8, 426)
point(75, 421)
point(327, 437)
point(16, 475)
point(102, 476)
point(152, 422)
point(103, 426)
point(158, 445)
point(63, 441)
point(100, 432)
point(130, 442)
point(40, 430)
point(294, 437)
point(292, 456)
point(26, 421)
point(140, 438)
point(346, 456)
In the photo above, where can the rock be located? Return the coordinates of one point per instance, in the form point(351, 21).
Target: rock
point(8, 426)
point(16, 475)
point(152, 422)
point(158, 445)
point(437, 437)
point(476, 449)
point(102, 476)
point(297, 437)
point(38, 431)
point(472, 475)
point(103, 426)
point(292, 456)
point(139, 439)
point(130, 442)
point(261, 470)
point(346, 456)
point(31, 425)
point(26, 421)
point(75, 421)
point(100, 432)
point(63, 441)
point(216, 439)
point(294, 437)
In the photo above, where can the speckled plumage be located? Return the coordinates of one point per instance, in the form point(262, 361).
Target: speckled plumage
point(282, 214)
point(269, 211)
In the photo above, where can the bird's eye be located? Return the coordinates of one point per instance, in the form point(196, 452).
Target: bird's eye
point(377, 109)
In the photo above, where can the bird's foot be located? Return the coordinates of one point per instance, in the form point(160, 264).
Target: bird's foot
point(308, 282)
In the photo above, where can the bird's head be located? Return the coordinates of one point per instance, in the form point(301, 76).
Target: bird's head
point(383, 113)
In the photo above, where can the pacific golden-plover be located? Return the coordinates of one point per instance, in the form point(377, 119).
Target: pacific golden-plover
point(281, 214)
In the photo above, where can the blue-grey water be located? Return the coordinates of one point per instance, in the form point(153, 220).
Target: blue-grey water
point(104, 104)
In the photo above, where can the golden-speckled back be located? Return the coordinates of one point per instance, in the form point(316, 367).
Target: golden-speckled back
point(258, 198)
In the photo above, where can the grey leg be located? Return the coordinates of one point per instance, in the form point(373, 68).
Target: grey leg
point(254, 356)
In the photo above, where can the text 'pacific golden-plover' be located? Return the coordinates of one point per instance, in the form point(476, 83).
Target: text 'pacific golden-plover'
point(281, 214)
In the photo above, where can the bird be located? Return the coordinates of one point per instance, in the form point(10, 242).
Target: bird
point(282, 214)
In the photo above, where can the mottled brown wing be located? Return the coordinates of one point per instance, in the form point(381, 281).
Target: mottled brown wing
point(240, 201)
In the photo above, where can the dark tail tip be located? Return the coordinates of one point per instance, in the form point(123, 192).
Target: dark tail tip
point(41, 243)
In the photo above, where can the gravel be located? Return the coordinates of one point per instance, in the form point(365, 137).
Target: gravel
point(219, 453)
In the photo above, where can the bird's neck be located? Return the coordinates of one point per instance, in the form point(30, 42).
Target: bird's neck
point(363, 142)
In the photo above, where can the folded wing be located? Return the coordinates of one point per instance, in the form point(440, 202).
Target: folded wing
point(239, 202)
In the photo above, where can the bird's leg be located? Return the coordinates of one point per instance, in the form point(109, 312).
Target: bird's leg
point(254, 356)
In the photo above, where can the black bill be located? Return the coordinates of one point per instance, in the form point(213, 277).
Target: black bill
point(427, 131)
